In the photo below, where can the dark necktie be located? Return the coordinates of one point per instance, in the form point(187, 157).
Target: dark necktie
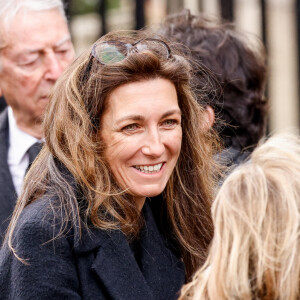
point(33, 152)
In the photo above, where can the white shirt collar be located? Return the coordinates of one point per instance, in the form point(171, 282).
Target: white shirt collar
point(19, 141)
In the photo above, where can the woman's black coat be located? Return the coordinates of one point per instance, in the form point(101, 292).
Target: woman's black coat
point(100, 266)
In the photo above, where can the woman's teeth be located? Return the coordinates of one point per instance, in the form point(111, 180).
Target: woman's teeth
point(149, 169)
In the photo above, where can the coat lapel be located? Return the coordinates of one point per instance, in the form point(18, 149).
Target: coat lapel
point(159, 276)
point(115, 265)
point(117, 268)
point(163, 271)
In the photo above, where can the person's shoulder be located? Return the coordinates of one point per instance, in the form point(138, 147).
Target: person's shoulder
point(37, 211)
point(36, 252)
point(41, 220)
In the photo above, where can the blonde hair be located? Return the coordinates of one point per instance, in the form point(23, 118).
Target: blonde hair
point(256, 214)
point(74, 149)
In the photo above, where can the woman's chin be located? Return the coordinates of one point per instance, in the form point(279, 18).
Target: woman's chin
point(148, 192)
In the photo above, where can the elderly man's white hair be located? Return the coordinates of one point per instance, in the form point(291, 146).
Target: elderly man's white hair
point(9, 8)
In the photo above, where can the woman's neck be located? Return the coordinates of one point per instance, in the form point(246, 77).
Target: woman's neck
point(139, 201)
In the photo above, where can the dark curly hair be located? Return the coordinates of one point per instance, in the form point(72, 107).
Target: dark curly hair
point(238, 99)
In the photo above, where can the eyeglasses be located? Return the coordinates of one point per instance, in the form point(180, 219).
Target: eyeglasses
point(111, 52)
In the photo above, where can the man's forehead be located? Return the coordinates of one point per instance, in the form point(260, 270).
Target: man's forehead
point(24, 22)
point(62, 41)
point(16, 49)
point(36, 30)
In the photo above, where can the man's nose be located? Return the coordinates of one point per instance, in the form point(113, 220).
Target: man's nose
point(153, 144)
point(53, 66)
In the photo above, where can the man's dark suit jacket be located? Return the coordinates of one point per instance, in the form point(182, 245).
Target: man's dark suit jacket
point(8, 193)
point(2, 104)
point(101, 266)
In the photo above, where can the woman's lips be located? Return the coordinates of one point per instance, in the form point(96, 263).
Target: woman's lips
point(149, 169)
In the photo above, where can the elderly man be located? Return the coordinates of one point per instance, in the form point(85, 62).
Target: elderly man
point(35, 47)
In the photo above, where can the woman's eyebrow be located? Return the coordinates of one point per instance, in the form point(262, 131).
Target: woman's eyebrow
point(141, 118)
point(131, 117)
point(171, 112)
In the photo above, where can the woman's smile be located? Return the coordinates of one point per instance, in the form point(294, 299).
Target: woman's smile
point(141, 128)
point(149, 169)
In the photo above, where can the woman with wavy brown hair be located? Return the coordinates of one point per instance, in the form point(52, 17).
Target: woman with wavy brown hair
point(117, 205)
point(255, 249)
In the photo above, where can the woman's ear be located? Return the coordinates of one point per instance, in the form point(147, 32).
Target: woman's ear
point(209, 117)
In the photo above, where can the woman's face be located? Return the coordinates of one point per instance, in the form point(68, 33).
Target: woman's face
point(141, 128)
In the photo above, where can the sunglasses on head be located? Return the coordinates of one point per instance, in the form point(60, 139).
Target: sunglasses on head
point(111, 52)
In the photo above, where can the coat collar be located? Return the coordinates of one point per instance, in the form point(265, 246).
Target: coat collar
point(8, 194)
point(159, 276)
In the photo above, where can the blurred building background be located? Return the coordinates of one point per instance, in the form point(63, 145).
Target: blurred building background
point(276, 22)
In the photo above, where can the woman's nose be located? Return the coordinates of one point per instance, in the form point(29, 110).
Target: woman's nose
point(153, 144)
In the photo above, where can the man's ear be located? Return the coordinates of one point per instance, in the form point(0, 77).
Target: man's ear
point(209, 117)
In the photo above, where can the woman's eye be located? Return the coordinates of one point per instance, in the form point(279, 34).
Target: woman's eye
point(130, 127)
point(170, 123)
